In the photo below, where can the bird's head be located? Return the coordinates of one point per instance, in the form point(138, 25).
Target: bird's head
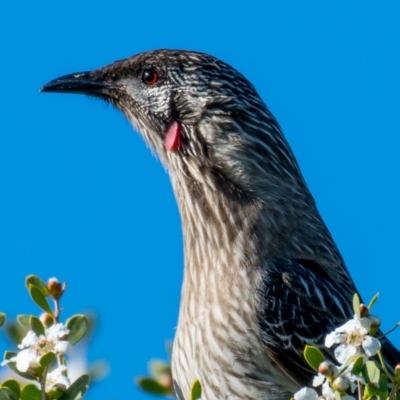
point(203, 118)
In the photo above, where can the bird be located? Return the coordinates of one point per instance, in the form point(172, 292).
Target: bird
point(263, 276)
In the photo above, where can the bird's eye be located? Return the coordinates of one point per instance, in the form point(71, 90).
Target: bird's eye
point(150, 76)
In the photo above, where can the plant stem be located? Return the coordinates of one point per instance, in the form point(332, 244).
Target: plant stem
point(43, 384)
point(360, 390)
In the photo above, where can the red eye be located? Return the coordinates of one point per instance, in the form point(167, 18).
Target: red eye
point(150, 76)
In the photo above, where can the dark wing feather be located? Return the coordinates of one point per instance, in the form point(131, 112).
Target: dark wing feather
point(298, 306)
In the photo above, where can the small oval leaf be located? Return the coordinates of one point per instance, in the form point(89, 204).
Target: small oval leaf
point(356, 305)
point(373, 301)
point(313, 356)
point(7, 394)
point(373, 372)
point(77, 326)
point(36, 281)
point(36, 325)
point(77, 389)
point(196, 390)
point(13, 385)
point(39, 299)
point(357, 366)
point(152, 386)
point(47, 359)
point(383, 386)
point(2, 318)
point(30, 392)
point(23, 320)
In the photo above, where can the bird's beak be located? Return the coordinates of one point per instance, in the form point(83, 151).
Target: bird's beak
point(80, 82)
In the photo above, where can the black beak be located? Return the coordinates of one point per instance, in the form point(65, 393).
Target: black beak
point(81, 83)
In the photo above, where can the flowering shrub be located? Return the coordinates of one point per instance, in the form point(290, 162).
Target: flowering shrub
point(42, 356)
point(355, 345)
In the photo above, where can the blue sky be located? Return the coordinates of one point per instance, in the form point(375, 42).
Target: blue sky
point(83, 199)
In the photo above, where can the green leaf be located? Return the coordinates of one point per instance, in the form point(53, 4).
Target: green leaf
point(37, 282)
point(77, 326)
point(47, 359)
point(8, 355)
point(7, 394)
point(356, 305)
point(77, 389)
point(357, 366)
point(373, 372)
point(196, 390)
point(23, 320)
point(373, 301)
point(30, 392)
point(13, 385)
point(2, 318)
point(313, 356)
point(152, 386)
point(36, 325)
point(383, 387)
point(39, 299)
point(349, 361)
point(337, 395)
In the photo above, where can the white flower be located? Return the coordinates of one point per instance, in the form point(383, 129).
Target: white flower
point(56, 377)
point(353, 338)
point(33, 347)
point(318, 380)
point(327, 392)
point(306, 393)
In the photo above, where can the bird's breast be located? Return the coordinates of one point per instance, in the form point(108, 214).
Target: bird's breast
point(218, 340)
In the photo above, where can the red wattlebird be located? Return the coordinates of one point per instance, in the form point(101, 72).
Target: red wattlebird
point(263, 276)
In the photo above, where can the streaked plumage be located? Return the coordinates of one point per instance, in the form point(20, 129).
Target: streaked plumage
point(263, 276)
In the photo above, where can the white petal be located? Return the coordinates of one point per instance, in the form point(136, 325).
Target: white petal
point(57, 377)
point(63, 346)
point(306, 394)
point(5, 362)
point(29, 340)
point(334, 337)
point(371, 345)
point(318, 380)
point(364, 325)
point(56, 331)
point(25, 359)
point(327, 391)
point(343, 352)
point(348, 327)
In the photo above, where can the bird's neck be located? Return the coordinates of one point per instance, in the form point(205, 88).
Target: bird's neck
point(218, 223)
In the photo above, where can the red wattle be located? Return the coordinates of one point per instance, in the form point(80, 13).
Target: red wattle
point(173, 138)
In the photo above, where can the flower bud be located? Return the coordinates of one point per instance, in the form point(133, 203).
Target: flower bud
point(166, 380)
point(397, 374)
point(47, 320)
point(55, 287)
point(341, 383)
point(327, 369)
point(364, 310)
point(57, 391)
point(375, 324)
